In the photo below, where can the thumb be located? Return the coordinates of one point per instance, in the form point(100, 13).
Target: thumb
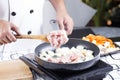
point(15, 29)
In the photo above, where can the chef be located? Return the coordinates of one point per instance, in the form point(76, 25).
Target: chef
point(26, 17)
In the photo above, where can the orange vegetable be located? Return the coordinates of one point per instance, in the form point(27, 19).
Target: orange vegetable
point(98, 40)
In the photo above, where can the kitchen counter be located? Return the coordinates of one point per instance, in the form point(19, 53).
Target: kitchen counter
point(16, 69)
point(105, 31)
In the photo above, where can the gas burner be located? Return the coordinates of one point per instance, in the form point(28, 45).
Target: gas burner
point(114, 61)
point(96, 72)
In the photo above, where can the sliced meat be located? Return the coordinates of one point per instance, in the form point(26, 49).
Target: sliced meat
point(57, 38)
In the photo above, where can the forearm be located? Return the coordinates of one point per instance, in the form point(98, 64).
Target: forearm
point(58, 5)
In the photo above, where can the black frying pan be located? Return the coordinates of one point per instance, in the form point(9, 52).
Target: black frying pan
point(71, 66)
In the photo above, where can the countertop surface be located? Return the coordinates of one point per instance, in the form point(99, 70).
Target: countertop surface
point(105, 31)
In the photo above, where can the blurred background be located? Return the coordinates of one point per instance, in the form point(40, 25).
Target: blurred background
point(107, 14)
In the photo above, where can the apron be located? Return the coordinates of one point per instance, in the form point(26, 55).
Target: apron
point(31, 16)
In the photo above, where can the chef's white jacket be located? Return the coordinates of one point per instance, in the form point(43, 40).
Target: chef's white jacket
point(31, 16)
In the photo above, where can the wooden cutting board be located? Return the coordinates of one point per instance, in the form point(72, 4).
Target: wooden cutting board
point(14, 70)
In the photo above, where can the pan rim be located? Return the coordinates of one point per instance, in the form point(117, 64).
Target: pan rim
point(97, 56)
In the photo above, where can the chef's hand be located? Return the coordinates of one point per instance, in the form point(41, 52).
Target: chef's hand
point(65, 22)
point(6, 35)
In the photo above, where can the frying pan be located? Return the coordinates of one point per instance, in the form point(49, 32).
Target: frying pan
point(69, 66)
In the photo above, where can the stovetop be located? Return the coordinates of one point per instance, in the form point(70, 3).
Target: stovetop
point(114, 61)
point(101, 71)
point(111, 59)
point(96, 72)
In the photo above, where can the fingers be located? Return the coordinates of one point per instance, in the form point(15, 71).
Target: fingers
point(11, 38)
point(6, 35)
point(61, 25)
point(1, 43)
point(7, 38)
point(67, 26)
point(5, 41)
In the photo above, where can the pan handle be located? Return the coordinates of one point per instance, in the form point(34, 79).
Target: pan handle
point(33, 65)
point(39, 37)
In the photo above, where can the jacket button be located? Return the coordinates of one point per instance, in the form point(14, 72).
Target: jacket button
point(29, 32)
point(31, 11)
point(13, 13)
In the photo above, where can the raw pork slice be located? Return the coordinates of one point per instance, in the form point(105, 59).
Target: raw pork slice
point(57, 38)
